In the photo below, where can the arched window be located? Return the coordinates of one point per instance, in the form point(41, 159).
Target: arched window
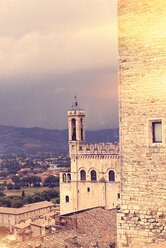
point(111, 176)
point(83, 175)
point(73, 129)
point(64, 177)
point(67, 198)
point(68, 177)
point(81, 129)
point(93, 175)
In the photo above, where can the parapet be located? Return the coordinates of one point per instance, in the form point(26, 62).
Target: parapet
point(76, 112)
point(99, 148)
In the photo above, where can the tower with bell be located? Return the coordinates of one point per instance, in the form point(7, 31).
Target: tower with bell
point(76, 126)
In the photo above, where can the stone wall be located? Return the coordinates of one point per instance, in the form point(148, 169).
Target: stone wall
point(142, 93)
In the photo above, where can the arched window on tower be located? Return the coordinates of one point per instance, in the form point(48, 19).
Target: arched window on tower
point(93, 175)
point(73, 129)
point(68, 177)
point(64, 177)
point(67, 198)
point(83, 175)
point(111, 176)
point(82, 130)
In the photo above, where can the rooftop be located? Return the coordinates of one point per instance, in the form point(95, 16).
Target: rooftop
point(26, 208)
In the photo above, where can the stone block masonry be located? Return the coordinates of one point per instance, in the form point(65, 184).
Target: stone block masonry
point(142, 103)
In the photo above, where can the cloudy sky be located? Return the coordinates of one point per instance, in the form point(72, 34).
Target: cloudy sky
point(51, 50)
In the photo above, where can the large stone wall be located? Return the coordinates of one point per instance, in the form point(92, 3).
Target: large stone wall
point(142, 93)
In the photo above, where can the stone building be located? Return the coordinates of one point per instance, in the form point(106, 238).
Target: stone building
point(142, 97)
point(12, 216)
point(94, 180)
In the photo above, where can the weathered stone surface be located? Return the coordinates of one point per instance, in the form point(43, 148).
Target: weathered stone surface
point(142, 97)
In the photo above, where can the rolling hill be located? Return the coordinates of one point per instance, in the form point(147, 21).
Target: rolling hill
point(31, 140)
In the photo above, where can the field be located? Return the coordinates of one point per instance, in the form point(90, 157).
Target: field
point(28, 191)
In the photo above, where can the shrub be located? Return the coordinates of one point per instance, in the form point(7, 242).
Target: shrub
point(17, 203)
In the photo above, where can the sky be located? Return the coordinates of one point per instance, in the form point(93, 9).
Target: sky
point(52, 50)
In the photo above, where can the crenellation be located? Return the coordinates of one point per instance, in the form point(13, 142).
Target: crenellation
point(95, 171)
point(100, 148)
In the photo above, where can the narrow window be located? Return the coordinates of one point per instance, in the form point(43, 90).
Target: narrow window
point(88, 189)
point(93, 175)
point(157, 132)
point(64, 178)
point(73, 129)
point(118, 196)
point(83, 175)
point(81, 129)
point(81, 133)
point(68, 177)
point(111, 176)
point(67, 198)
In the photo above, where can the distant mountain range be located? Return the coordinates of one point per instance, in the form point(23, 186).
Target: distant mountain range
point(32, 140)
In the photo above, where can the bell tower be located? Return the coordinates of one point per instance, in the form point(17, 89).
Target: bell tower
point(76, 125)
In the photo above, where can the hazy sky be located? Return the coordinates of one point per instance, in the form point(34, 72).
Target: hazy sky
point(51, 50)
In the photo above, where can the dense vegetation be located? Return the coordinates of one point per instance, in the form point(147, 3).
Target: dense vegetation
point(19, 201)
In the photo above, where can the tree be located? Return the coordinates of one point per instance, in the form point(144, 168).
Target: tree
point(28, 199)
point(5, 202)
point(52, 181)
point(2, 187)
point(2, 194)
point(10, 186)
point(37, 198)
point(36, 181)
point(16, 179)
point(17, 186)
point(55, 200)
point(23, 194)
point(17, 203)
point(31, 181)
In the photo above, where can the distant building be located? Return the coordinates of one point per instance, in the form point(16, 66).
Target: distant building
point(94, 179)
point(12, 216)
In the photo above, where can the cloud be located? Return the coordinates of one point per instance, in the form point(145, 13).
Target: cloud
point(46, 36)
point(39, 53)
point(18, 17)
point(51, 50)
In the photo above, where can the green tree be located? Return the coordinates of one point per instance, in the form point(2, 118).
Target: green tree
point(2, 194)
point(55, 200)
point(30, 181)
point(2, 187)
point(28, 199)
point(16, 179)
point(5, 202)
point(17, 203)
point(10, 186)
point(51, 181)
point(23, 194)
point(17, 187)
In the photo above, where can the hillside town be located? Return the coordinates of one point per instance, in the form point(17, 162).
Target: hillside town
point(108, 194)
point(40, 166)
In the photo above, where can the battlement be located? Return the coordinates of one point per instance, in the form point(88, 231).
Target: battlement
point(76, 112)
point(99, 148)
